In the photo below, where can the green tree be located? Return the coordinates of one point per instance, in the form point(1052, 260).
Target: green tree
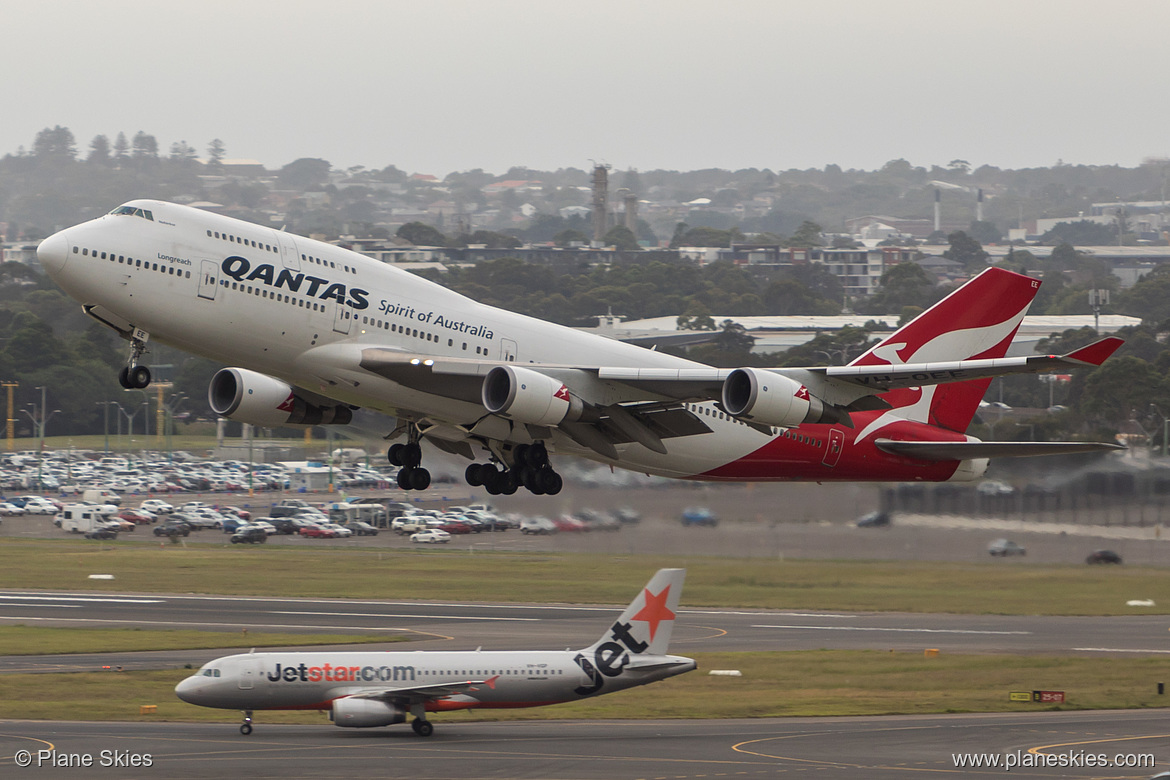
point(622, 238)
point(906, 284)
point(55, 143)
point(966, 250)
point(807, 235)
point(421, 234)
point(303, 174)
point(570, 236)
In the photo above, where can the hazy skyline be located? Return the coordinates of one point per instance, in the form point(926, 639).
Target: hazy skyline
point(434, 86)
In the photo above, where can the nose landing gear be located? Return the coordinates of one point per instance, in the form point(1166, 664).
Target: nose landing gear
point(133, 376)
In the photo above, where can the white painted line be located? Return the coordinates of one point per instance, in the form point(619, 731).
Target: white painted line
point(1115, 650)
point(903, 630)
point(88, 599)
point(411, 617)
point(43, 606)
point(323, 629)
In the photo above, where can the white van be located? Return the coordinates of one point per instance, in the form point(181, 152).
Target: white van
point(102, 497)
point(80, 518)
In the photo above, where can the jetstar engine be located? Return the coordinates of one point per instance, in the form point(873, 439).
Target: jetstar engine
point(529, 396)
point(773, 399)
point(352, 712)
point(258, 399)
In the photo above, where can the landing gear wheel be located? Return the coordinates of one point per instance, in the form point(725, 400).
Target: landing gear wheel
point(420, 479)
point(124, 377)
point(473, 475)
point(537, 455)
point(404, 478)
point(549, 481)
point(422, 727)
point(411, 454)
point(246, 729)
point(139, 377)
point(394, 454)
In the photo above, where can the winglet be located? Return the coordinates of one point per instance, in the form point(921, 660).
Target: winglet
point(1096, 353)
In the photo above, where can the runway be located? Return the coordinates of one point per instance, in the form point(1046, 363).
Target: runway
point(468, 625)
point(886, 748)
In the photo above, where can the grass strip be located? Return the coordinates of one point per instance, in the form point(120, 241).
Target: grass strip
point(36, 640)
point(900, 586)
point(800, 683)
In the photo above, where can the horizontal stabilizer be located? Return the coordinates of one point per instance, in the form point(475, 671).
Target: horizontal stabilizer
point(967, 450)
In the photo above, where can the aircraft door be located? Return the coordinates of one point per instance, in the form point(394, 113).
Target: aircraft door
point(208, 279)
point(342, 317)
point(288, 251)
point(508, 351)
point(833, 447)
point(247, 676)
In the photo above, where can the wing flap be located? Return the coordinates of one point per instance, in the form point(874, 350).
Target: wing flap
point(420, 693)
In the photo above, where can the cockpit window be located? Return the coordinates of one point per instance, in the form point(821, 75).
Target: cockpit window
point(211, 672)
point(133, 212)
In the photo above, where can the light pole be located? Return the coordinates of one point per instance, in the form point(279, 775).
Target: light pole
point(106, 421)
point(1165, 427)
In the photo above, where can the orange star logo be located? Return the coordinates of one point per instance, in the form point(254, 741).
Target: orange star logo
point(655, 611)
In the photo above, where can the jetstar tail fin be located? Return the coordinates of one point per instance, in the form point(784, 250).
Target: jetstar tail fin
point(648, 622)
point(978, 320)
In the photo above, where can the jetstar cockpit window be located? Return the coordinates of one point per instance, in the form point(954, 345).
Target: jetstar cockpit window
point(211, 672)
point(133, 212)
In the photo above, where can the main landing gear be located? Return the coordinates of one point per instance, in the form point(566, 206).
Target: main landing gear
point(530, 469)
point(246, 728)
point(422, 727)
point(133, 376)
point(408, 456)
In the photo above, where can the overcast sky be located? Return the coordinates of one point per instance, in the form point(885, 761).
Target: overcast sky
point(434, 86)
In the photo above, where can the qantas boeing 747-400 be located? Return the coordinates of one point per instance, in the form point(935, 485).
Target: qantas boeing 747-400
point(314, 331)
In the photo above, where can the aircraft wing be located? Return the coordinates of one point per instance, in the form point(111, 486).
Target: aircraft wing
point(415, 694)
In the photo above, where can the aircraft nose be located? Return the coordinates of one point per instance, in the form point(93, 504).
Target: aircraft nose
point(190, 690)
point(53, 252)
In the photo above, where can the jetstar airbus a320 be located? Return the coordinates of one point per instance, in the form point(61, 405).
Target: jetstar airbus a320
point(315, 331)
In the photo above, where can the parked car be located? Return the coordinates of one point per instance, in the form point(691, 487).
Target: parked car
point(340, 531)
point(361, 528)
point(103, 532)
point(1103, 556)
point(408, 524)
point(874, 520)
point(137, 516)
point(431, 536)
point(172, 529)
point(699, 515)
point(1005, 547)
point(157, 506)
point(994, 488)
point(318, 532)
point(250, 534)
point(537, 525)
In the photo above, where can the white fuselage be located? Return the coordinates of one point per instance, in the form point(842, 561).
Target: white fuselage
point(279, 304)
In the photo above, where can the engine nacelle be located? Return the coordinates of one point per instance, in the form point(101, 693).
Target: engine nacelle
point(773, 399)
point(351, 712)
point(529, 396)
point(258, 399)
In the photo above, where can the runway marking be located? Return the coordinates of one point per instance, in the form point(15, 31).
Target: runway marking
point(903, 630)
point(31, 739)
point(1115, 650)
point(42, 606)
point(409, 617)
point(1038, 748)
point(202, 623)
point(99, 599)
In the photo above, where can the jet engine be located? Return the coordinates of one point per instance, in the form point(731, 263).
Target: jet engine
point(773, 399)
point(352, 712)
point(529, 396)
point(259, 399)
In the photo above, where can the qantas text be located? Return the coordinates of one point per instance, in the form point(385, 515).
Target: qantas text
point(242, 271)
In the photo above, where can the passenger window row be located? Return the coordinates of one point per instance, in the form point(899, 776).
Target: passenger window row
point(241, 240)
point(394, 327)
point(264, 292)
point(131, 262)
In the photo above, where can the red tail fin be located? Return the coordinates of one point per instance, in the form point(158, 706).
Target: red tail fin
point(978, 320)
